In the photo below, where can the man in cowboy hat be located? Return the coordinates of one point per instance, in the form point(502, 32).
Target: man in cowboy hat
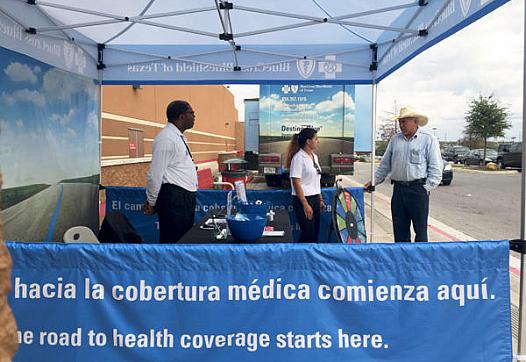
point(413, 161)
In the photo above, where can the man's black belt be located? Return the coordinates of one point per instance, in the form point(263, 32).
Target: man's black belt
point(174, 187)
point(420, 181)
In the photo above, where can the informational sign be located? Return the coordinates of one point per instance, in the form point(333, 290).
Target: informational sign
point(284, 110)
point(287, 109)
point(262, 302)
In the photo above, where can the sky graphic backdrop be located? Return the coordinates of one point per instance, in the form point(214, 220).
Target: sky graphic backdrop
point(293, 106)
point(48, 123)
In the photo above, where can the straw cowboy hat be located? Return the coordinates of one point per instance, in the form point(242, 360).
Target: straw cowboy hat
point(408, 112)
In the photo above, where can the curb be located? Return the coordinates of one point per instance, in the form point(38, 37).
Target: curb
point(500, 172)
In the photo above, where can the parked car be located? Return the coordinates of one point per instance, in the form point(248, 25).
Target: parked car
point(456, 154)
point(510, 156)
point(447, 174)
point(503, 147)
point(474, 157)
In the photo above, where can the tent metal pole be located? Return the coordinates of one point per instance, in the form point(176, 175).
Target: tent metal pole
point(99, 109)
point(311, 57)
point(178, 28)
point(12, 17)
point(133, 18)
point(150, 3)
point(79, 25)
point(79, 10)
point(341, 17)
point(165, 57)
point(278, 28)
point(372, 26)
point(67, 36)
point(521, 350)
point(311, 23)
point(226, 24)
point(173, 13)
point(373, 150)
point(172, 59)
point(399, 38)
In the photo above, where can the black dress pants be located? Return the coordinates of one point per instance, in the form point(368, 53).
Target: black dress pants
point(176, 208)
point(309, 228)
point(410, 203)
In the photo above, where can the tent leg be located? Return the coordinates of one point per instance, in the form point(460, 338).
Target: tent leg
point(373, 149)
point(99, 111)
point(521, 350)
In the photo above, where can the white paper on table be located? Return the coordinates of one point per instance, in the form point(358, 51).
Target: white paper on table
point(241, 192)
point(273, 233)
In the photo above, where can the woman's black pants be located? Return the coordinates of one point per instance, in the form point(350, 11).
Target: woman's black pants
point(309, 228)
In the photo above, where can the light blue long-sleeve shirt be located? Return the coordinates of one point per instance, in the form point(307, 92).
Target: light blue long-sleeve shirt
point(412, 159)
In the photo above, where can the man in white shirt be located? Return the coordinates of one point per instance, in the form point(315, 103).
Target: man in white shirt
point(414, 163)
point(172, 178)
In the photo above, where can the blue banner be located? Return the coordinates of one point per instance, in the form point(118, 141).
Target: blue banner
point(129, 201)
point(281, 302)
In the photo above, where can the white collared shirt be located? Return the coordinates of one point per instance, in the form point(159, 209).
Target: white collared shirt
point(302, 167)
point(171, 163)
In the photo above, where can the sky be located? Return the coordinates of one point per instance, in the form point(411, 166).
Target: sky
point(482, 59)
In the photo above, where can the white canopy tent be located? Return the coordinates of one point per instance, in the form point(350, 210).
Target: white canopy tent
point(250, 41)
point(203, 41)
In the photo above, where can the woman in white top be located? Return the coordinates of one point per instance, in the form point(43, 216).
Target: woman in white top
point(305, 175)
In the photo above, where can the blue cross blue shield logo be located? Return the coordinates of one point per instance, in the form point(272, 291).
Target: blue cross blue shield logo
point(306, 67)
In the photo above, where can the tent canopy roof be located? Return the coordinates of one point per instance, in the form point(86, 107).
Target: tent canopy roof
point(250, 41)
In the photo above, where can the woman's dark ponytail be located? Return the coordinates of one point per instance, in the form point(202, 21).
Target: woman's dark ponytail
point(292, 149)
point(299, 140)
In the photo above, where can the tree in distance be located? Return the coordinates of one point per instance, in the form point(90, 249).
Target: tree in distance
point(486, 118)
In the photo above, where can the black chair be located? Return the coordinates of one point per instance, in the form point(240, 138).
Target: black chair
point(116, 228)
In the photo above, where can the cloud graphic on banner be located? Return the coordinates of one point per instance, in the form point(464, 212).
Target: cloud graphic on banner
point(93, 120)
point(70, 133)
point(18, 72)
point(273, 103)
point(61, 85)
point(336, 102)
point(64, 119)
point(20, 123)
point(24, 95)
